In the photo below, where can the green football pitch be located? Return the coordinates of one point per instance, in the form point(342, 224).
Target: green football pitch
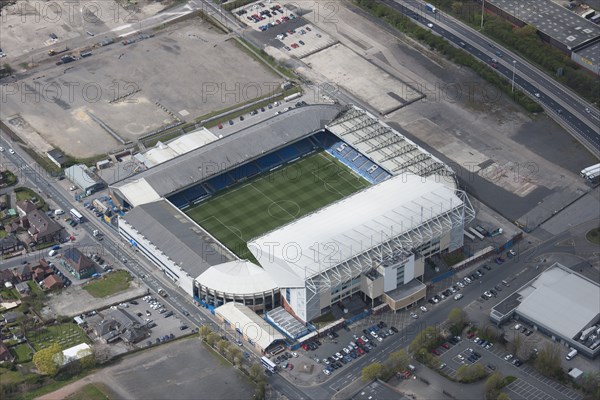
point(273, 199)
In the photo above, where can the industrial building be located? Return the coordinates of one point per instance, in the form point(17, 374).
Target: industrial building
point(559, 303)
point(574, 35)
point(372, 243)
point(84, 178)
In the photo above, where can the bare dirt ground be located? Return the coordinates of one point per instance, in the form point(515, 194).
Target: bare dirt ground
point(177, 74)
point(523, 166)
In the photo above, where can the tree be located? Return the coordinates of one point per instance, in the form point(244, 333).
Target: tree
point(87, 361)
point(503, 396)
point(548, 362)
point(212, 338)
point(429, 338)
point(515, 345)
point(205, 331)
point(235, 355)
point(590, 383)
point(493, 384)
point(398, 360)
point(261, 389)
point(470, 373)
point(457, 318)
point(48, 360)
point(256, 372)
point(223, 345)
point(372, 371)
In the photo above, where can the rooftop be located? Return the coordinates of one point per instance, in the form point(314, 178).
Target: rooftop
point(213, 158)
point(249, 324)
point(405, 290)
point(237, 277)
point(352, 226)
point(178, 237)
point(561, 300)
point(550, 18)
point(590, 53)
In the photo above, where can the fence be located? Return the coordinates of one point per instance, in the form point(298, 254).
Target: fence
point(443, 276)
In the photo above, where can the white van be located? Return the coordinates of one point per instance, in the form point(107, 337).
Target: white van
point(571, 354)
point(52, 253)
point(58, 212)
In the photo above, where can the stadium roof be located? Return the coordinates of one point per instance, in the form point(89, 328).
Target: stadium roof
point(213, 158)
point(249, 323)
point(163, 152)
point(178, 237)
point(561, 300)
point(320, 241)
point(237, 277)
point(550, 18)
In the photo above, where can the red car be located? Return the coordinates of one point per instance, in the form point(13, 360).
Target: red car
point(446, 346)
point(470, 335)
point(434, 351)
point(361, 351)
point(305, 346)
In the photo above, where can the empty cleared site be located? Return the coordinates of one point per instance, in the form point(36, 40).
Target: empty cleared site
point(274, 199)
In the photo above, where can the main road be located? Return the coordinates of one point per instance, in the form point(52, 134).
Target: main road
point(575, 114)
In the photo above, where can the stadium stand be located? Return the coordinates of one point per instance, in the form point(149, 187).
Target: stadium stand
point(349, 156)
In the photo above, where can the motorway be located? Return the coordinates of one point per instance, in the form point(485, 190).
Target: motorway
point(561, 103)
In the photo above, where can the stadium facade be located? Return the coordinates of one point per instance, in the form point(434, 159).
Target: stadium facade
point(372, 243)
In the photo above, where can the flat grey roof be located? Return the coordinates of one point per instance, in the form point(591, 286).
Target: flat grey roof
point(404, 290)
point(177, 236)
point(550, 18)
point(591, 53)
point(193, 167)
point(561, 301)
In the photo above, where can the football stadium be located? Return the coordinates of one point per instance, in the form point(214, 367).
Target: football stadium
point(297, 213)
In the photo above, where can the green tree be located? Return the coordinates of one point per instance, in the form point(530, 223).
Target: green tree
point(47, 360)
point(493, 384)
point(261, 389)
point(470, 373)
point(458, 317)
point(235, 355)
point(256, 372)
point(204, 331)
point(87, 361)
point(223, 345)
point(590, 383)
point(548, 362)
point(429, 338)
point(212, 338)
point(503, 396)
point(372, 371)
point(398, 360)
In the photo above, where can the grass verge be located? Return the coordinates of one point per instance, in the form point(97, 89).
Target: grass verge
point(88, 392)
point(593, 236)
point(109, 284)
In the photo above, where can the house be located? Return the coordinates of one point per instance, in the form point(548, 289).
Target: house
point(57, 157)
point(77, 263)
point(41, 228)
point(23, 287)
point(52, 282)
point(9, 317)
point(22, 272)
point(12, 227)
point(6, 275)
point(24, 207)
point(5, 354)
point(10, 244)
point(120, 324)
point(40, 272)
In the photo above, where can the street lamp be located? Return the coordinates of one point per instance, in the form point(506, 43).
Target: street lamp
point(482, 12)
point(513, 78)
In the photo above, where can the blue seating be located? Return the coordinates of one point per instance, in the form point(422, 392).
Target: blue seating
point(195, 193)
point(288, 153)
point(304, 146)
point(179, 200)
point(220, 182)
point(268, 161)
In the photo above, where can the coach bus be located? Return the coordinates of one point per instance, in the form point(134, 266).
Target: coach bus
point(268, 364)
point(76, 215)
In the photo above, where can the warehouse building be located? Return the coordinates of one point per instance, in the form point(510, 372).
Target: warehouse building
point(84, 178)
point(559, 303)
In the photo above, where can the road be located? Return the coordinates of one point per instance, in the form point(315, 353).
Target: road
point(559, 102)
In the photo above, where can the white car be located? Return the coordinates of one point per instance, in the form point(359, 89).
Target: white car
point(537, 95)
point(339, 356)
point(461, 358)
point(423, 308)
point(1, 148)
point(355, 337)
point(487, 294)
point(380, 338)
point(414, 315)
point(452, 290)
point(460, 284)
point(508, 357)
point(467, 279)
point(458, 296)
point(11, 151)
point(430, 25)
point(326, 372)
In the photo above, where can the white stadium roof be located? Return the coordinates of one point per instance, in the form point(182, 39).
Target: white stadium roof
point(561, 300)
point(237, 277)
point(249, 323)
point(320, 241)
